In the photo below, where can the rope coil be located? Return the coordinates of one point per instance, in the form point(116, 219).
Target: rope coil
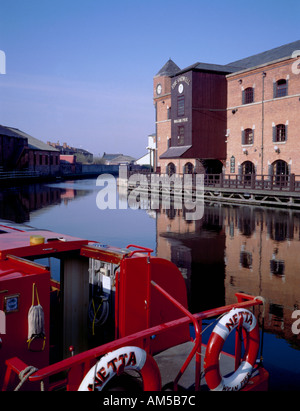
point(24, 375)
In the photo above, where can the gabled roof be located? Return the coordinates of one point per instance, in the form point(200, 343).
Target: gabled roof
point(107, 156)
point(123, 159)
point(169, 69)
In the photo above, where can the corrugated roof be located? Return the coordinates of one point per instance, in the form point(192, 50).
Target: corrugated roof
point(5, 131)
point(33, 142)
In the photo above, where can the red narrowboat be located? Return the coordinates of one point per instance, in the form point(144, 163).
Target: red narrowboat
point(80, 315)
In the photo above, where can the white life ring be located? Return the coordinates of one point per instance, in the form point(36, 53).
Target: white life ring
point(221, 331)
point(116, 362)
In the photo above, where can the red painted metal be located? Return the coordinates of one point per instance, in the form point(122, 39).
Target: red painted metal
point(78, 365)
point(197, 342)
point(16, 279)
point(150, 305)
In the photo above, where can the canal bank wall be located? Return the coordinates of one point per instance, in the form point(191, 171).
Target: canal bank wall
point(264, 191)
point(12, 178)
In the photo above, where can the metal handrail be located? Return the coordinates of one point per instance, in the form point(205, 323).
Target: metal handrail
point(83, 361)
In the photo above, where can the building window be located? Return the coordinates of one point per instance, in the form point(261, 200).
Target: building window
point(248, 95)
point(180, 137)
point(280, 88)
point(168, 113)
point(247, 136)
point(248, 168)
point(246, 259)
point(280, 171)
point(280, 168)
point(277, 267)
point(171, 169)
point(279, 133)
point(188, 168)
point(180, 106)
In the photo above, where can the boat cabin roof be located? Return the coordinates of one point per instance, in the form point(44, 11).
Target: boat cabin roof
point(31, 242)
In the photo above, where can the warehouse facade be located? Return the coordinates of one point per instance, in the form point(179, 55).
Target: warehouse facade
point(238, 118)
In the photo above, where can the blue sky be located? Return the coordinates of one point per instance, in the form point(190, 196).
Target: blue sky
point(81, 71)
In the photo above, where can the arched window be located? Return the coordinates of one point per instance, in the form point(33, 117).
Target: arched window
point(171, 169)
point(281, 172)
point(248, 168)
point(188, 168)
point(280, 168)
point(280, 88)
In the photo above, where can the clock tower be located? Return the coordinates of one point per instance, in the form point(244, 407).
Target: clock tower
point(162, 103)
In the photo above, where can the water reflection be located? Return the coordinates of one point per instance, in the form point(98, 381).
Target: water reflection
point(238, 249)
point(230, 249)
point(17, 203)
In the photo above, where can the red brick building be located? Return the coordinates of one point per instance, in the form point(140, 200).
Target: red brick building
point(191, 117)
point(22, 152)
point(263, 114)
point(239, 118)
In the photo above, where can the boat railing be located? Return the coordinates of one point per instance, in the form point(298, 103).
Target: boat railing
point(75, 367)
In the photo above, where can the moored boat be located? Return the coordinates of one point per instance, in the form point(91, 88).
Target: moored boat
point(80, 315)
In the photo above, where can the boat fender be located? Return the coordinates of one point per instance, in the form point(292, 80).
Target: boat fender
point(116, 362)
point(226, 324)
point(36, 321)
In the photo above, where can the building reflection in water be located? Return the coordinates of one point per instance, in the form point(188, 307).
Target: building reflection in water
point(237, 249)
point(17, 203)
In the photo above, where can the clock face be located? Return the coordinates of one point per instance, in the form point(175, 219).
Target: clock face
point(158, 89)
point(180, 88)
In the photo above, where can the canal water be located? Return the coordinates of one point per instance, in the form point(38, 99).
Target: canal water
point(230, 249)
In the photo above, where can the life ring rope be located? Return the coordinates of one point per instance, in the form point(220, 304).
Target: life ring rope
point(225, 325)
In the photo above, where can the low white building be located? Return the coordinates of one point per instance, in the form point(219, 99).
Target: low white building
point(149, 159)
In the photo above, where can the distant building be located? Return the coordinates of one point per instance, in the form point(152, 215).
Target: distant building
point(20, 151)
point(82, 156)
point(149, 159)
point(116, 159)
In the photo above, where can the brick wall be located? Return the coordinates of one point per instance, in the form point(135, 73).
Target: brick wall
point(261, 116)
point(163, 125)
